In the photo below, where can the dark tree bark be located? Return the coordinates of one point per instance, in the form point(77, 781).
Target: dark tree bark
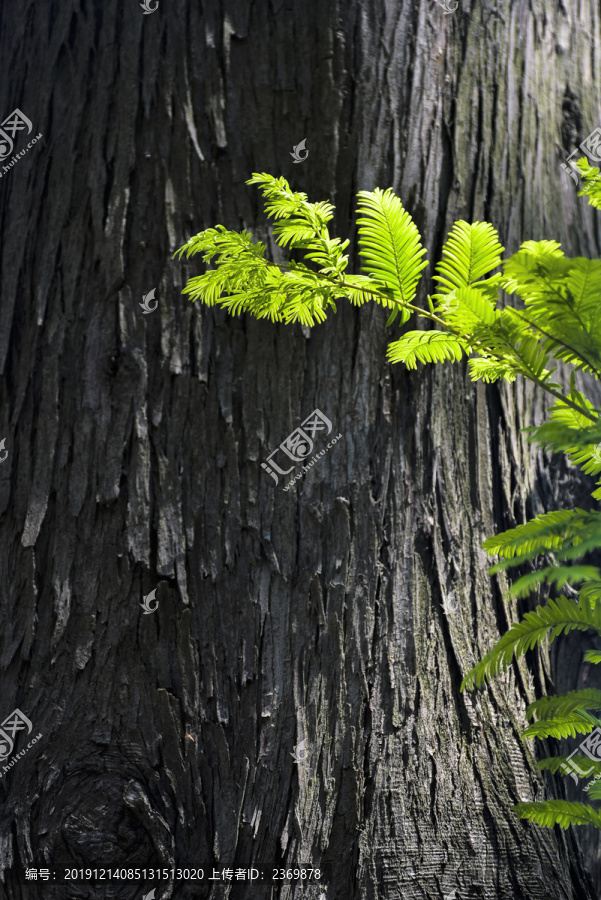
point(135, 446)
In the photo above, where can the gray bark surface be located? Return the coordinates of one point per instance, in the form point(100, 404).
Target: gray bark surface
point(135, 447)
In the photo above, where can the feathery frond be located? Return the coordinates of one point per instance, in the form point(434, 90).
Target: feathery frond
point(559, 615)
point(469, 253)
point(555, 320)
point(557, 764)
point(592, 182)
point(562, 726)
point(425, 347)
point(389, 242)
point(555, 575)
point(565, 704)
point(545, 532)
point(558, 812)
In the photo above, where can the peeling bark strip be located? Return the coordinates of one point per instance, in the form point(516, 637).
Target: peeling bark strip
point(136, 444)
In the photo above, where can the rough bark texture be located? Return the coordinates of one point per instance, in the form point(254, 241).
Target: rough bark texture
point(135, 447)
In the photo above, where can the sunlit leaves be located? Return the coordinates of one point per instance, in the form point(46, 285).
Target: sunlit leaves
point(470, 252)
point(425, 347)
point(558, 616)
point(558, 812)
point(552, 317)
point(389, 243)
point(591, 188)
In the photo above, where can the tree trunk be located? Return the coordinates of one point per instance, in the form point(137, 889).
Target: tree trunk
point(135, 444)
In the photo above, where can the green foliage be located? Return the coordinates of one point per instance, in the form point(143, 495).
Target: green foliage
point(546, 532)
point(592, 182)
point(425, 346)
point(558, 812)
point(594, 789)
point(561, 299)
point(562, 726)
point(469, 253)
point(244, 281)
point(389, 243)
point(559, 615)
point(250, 283)
point(554, 319)
point(566, 704)
point(555, 763)
point(556, 575)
